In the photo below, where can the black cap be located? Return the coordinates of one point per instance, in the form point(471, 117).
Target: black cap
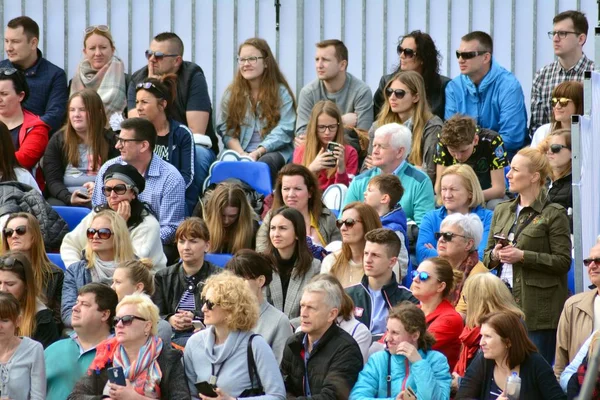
point(126, 173)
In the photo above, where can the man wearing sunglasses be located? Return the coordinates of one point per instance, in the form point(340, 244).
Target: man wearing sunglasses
point(47, 83)
point(487, 92)
point(568, 35)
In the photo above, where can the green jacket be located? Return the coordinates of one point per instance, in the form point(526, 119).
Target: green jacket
point(540, 281)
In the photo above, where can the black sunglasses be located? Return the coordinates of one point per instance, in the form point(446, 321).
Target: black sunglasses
point(127, 320)
point(9, 262)
point(408, 53)
point(448, 236)
point(209, 304)
point(159, 55)
point(588, 261)
point(423, 275)
point(103, 233)
point(556, 148)
point(121, 188)
point(399, 93)
point(8, 71)
point(349, 222)
point(21, 230)
point(467, 55)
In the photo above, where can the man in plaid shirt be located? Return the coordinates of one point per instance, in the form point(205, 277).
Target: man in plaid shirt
point(568, 37)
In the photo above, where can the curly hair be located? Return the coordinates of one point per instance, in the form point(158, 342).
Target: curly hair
point(231, 293)
point(428, 53)
point(413, 320)
point(460, 130)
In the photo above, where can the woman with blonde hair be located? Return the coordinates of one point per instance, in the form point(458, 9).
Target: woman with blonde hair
point(108, 244)
point(22, 233)
point(460, 193)
point(346, 264)
point(530, 248)
point(222, 355)
point(258, 109)
point(324, 152)
point(406, 103)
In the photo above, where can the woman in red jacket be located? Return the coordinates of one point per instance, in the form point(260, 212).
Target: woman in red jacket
point(433, 283)
point(29, 133)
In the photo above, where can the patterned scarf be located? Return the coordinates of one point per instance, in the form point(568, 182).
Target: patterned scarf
point(144, 373)
point(109, 82)
point(469, 338)
point(466, 267)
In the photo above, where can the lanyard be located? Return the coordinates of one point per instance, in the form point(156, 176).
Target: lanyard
point(213, 376)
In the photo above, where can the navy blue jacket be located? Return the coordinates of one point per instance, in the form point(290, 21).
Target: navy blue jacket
point(396, 221)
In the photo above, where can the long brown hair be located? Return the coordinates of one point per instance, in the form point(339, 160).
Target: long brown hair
point(42, 267)
point(566, 134)
point(370, 220)
point(413, 320)
point(513, 333)
point(96, 119)
point(313, 145)
point(21, 267)
point(237, 236)
point(8, 160)
point(315, 204)
point(571, 90)
point(268, 96)
point(163, 88)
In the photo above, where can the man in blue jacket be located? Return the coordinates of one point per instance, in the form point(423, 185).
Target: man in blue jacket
point(487, 92)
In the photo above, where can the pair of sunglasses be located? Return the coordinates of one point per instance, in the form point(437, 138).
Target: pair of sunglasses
point(556, 148)
point(408, 53)
point(8, 71)
point(9, 262)
point(448, 236)
point(468, 55)
point(103, 233)
point(121, 188)
point(588, 261)
point(127, 320)
point(21, 230)
point(563, 101)
point(209, 304)
point(100, 28)
point(158, 55)
point(423, 275)
point(349, 222)
point(399, 93)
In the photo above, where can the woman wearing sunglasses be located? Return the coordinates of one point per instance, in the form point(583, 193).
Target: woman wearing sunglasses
point(258, 109)
point(76, 152)
point(531, 248)
point(417, 52)
point(37, 320)
point(559, 184)
point(227, 357)
point(433, 284)
point(152, 369)
point(22, 233)
point(10, 170)
point(22, 359)
point(122, 186)
point(174, 141)
point(108, 244)
point(298, 188)
point(295, 263)
point(346, 264)
point(567, 100)
point(330, 162)
point(101, 70)
point(28, 132)
point(460, 193)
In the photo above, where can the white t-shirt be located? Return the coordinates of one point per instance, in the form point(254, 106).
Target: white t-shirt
point(540, 134)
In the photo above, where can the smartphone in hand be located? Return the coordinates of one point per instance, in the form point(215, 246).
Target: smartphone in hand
point(116, 376)
point(501, 240)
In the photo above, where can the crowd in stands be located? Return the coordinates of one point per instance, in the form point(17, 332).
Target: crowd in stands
point(442, 274)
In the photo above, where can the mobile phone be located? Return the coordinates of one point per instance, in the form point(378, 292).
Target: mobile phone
point(116, 376)
point(198, 324)
point(411, 392)
point(501, 239)
point(206, 389)
point(331, 146)
point(82, 196)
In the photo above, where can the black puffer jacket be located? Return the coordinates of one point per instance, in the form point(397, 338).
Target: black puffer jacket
point(19, 197)
point(333, 366)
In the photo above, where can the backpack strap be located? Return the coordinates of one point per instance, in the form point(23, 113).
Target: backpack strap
point(252, 370)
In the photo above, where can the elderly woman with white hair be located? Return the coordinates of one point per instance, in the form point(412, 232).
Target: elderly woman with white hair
point(391, 146)
point(457, 243)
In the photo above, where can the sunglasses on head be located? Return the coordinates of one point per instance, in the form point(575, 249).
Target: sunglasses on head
point(588, 261)
point(563, 101)
point(467, 55)
point(127, 320)
point(103, 233)
point(349, 222)
point(9, 262)
point(8, 71)
point(121, 188)
point(159, 55)
point(209, 304)
point(399, 93)
point(556, 148)
point(423, 275)
point(21, 230)
point(448, 236)
point(100, 28)
point(408, 53)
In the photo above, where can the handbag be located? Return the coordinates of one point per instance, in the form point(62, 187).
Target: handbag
point(255, 390)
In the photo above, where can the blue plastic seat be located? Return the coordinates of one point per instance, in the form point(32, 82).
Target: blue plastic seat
point(255, 174)
point(72, 215)
point(571, 277)
point(506, 169)
point(219, 259)
point(55, 259)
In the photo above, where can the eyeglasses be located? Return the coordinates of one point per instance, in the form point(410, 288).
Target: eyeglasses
point(21, 230)
point(423, 275)
point(563, 101)
point(467, 55)
point(408, 53)
point(349, 222)
point(556, 148)
point(103, 233)
point(399, 93)
point(561, 34)
point(448, 236)
point(332, 128)
point(8, 71)
point(124, 141)
point(127, 320)
point(249, 60)
point(209, 304)
point(588, 261)
point(158, 55)
point(92, 28)
point(121, 188)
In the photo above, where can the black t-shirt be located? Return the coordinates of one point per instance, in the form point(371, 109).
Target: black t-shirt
point(14, 133)
point(488, 155)
point(161, 148)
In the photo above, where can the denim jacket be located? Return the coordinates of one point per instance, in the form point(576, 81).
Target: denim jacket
point(76, 276)
point(281, 137)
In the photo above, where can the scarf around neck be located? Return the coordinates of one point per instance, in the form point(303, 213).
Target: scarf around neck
point(144, 373)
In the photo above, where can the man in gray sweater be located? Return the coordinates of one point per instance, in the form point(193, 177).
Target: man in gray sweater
point(352, 96)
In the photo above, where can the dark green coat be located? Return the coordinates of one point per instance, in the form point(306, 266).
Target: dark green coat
point(540, 282)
